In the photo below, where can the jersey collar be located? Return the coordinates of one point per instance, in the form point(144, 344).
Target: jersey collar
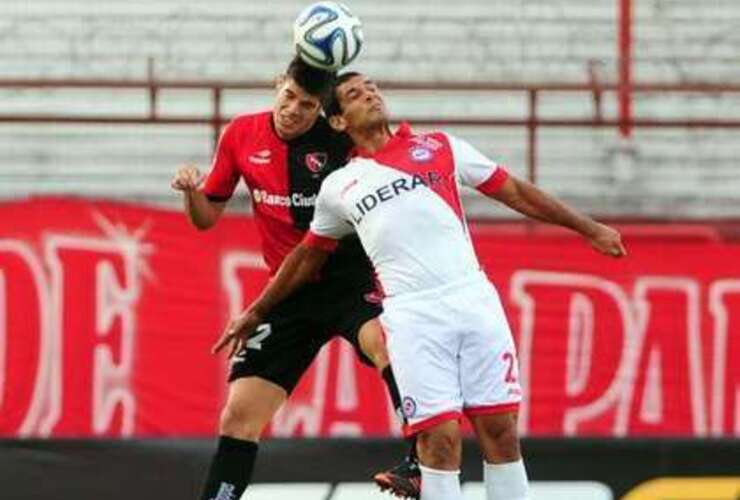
point(403, 133)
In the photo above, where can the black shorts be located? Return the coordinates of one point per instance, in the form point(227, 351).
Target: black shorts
point(283, 347)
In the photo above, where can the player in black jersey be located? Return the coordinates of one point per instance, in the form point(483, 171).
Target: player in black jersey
point(283, 155)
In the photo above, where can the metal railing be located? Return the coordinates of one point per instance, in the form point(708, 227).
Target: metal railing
point(532, 122)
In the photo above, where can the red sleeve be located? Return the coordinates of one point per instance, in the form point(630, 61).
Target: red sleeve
point(224, 175)
point(494, 182)
point(314, 240)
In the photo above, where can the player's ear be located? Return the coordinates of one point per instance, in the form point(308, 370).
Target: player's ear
point(338, 123)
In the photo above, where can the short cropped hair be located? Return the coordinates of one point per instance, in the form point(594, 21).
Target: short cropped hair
point(314, 81)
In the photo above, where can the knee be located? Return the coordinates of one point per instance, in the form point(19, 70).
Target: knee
point(440, 449)
point(239, 423)
point(503, 440)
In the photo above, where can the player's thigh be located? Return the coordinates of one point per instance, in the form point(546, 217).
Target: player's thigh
point(422, 345)
point(353, 316)
point(251, 403)
point(280, 350)
point(488, 361)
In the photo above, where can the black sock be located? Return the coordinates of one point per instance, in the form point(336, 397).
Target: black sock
point(231, 469)
point(390, 382)
point(411, 440)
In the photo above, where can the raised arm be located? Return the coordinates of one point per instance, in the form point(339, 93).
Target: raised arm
point(475, 170)
point(205, 197)
point(202, 212)
point(528, 199)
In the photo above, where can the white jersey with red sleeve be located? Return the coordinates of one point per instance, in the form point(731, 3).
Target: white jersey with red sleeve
point(404, 203)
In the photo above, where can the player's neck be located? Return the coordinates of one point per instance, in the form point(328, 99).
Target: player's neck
point(372, 139)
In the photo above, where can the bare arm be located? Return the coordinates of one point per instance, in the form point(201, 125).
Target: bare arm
point(531, 201)
point(203, 213)
point(298, 268)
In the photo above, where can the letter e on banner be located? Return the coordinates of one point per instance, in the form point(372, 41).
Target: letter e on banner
point(95, 287)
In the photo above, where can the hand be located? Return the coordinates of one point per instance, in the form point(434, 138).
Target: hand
point(607, 241)
point(238, 331)
point(187, 178)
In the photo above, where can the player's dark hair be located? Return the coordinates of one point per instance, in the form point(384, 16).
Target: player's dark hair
point(331, 100)
point(314, 81)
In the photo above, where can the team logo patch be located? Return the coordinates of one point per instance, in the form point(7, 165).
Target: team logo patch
point(409, 407)
point(427, 142)
point(421, 154)
point(316, 161)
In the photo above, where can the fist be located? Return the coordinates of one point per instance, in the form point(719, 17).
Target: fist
point(608, 241)
point(187, 178)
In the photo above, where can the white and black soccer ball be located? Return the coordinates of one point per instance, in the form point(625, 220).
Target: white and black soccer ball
point(327, 35)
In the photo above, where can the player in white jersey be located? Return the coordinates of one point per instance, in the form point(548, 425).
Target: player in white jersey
point(447, 334)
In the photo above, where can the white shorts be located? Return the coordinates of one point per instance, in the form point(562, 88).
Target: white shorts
point(452, 353)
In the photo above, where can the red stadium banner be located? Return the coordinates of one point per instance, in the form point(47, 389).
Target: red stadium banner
point(108, 311)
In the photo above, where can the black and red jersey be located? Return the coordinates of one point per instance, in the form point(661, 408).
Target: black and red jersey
point(283, 178)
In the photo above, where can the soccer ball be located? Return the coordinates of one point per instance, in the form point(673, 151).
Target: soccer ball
point(327, 35)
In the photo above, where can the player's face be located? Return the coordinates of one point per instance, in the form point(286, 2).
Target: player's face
point(363, 106)
point(295, 110)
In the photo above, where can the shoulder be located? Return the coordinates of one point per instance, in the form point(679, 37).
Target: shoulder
point(334, 179)
point(249, 121)
point(460, 148)
point(245, 127)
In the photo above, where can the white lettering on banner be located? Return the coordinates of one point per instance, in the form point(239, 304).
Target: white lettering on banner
point(230, 265)
point(719, 292)
point(346, 396)
point(114, 300)
point(634, 315)
point(541, 490)
point(651, 409)
point(520, 281)
point(39, 400)
point(580, 327)
point(114, 262)
point(642, 307)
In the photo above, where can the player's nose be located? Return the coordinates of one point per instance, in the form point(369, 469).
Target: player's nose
point(293, 108)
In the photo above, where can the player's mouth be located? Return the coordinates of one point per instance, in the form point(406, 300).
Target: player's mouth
point(288, 122)
point(377, 106)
